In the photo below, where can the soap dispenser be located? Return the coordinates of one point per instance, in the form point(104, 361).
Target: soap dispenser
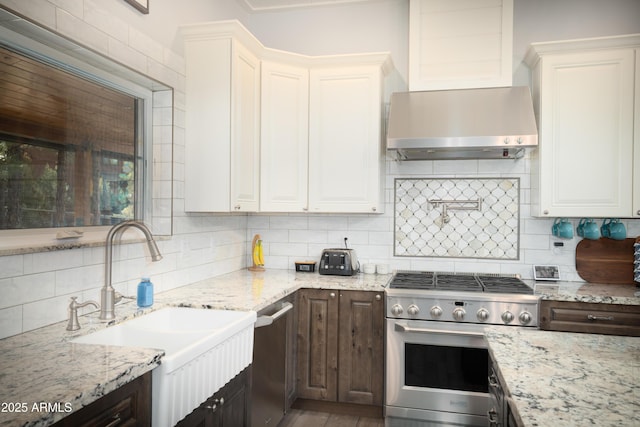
point(145, 293)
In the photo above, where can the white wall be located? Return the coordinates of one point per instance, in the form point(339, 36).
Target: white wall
point(383, 26)
point(548, 20)
point(35, 287)
point(379, 26)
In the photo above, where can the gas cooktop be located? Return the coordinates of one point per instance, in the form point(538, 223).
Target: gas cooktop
point(462, 297)
point(462, 282)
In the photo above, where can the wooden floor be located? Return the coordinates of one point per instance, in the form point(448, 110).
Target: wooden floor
point(305, 418)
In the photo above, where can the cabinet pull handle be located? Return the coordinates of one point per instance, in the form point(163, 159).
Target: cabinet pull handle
point(116, 420)
point(592, 317)
point(493, 381)
point(268, 320)
point(216, 402)
point(492, 414)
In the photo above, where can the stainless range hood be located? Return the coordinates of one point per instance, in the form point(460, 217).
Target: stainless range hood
point(488, 123)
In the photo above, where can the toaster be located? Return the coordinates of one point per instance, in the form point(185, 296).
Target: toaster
point(339, 262)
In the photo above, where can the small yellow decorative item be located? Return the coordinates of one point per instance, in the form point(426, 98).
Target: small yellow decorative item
point(257, 254)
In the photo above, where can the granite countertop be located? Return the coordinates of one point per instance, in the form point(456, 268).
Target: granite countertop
point(245, 290)
point(44, 377)
point(42, 366)
point(566, 379)
point(601, 293)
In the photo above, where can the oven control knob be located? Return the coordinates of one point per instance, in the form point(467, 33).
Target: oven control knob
point(525, 317)
point(458, 313)
point(507, 317)
point(483, 315)
point(396, 310)
point(436, 312)
point(413, 310)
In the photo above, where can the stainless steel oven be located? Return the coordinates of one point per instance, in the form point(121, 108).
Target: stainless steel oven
point(436, 374)
point(437, 361)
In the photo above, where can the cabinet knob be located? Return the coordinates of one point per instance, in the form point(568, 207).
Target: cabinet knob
point(546, 212)
point(305, 209)
point(638, 213)
point(236, 207)
point(378, 297)
point(374, 209)
point(332, 294)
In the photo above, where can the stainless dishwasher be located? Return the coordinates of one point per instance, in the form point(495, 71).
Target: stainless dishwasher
point(269, 388)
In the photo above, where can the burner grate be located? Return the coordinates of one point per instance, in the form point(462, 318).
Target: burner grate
point(413, 280)
point(504, 285)
point(457, 282)
point(461, 282)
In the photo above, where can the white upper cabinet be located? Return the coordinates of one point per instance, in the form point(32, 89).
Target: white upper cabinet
point(322, 146)
point(584, 95)
point(222, 121)
point(285, 137)
point(245, 135)
point(456, 44)
point(274, 131)
point(345, 139)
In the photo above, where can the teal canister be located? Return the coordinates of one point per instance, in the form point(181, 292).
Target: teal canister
point(145, 293)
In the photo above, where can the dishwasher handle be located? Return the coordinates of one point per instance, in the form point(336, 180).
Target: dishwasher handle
point(267, 320)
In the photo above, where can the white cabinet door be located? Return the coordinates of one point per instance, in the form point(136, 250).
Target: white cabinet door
point(345, 150)
point(460, 44)
point(245, 134)
point(207, 121)
point(636, 142)
point(586, 134)
point(284, 138)
point(222, 122)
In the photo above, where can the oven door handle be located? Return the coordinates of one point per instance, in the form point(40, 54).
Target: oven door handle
point(404, 328)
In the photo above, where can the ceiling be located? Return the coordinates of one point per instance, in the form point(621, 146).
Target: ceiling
point(280, 5)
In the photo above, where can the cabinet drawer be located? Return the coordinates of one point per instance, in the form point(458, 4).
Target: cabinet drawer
point(610, 319)
point(130, 405)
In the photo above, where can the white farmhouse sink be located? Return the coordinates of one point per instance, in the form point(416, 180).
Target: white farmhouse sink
point(204, 349)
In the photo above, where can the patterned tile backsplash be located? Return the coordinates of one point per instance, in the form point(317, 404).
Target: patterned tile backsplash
point(457, 218)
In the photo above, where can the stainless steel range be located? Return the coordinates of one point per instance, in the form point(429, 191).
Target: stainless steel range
point(436, 355)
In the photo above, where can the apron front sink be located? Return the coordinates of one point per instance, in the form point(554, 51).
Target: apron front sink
point(204, 349)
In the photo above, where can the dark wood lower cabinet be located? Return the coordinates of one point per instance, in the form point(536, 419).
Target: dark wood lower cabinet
point(500, 412)
point(340, 346)
point(594, 318)
point(130, 405)
point(228, 407)
point(511, 420)
point(318, 344)
point(361, 347)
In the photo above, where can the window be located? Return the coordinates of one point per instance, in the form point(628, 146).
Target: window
point(70, 148)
